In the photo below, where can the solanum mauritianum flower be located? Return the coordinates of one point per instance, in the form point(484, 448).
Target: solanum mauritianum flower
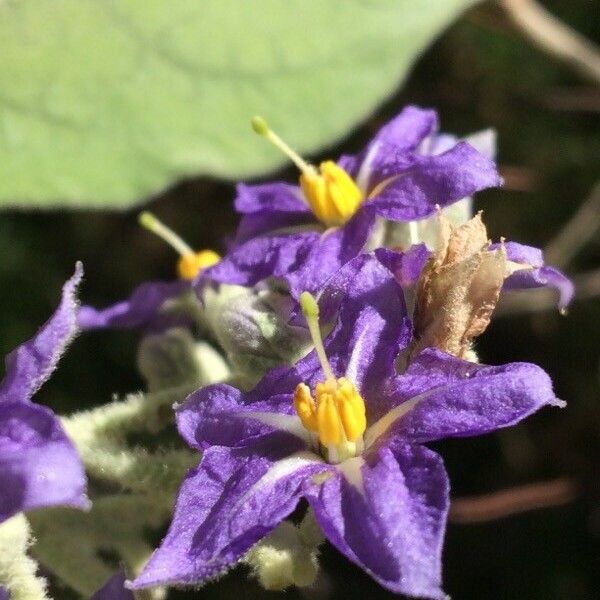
point(303, 234)
point(38, 464)
point(345, 431)
point(145, 308)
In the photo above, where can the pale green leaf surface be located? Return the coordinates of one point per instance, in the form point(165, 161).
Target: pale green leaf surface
point(103, 102)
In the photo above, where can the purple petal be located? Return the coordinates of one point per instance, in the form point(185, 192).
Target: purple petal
point(4, 593)
point(435, 180)
point(262, 257)
point(520, 253)
point(140, 310)
point(460, 399)
point(401, 135)
point(220, 415)
point(405, 266)
point(539, 276)
point(438, 144)
point(31, 364)
point(269, 207)
point(38, 464)
point(389, 517)
point(264, 223)
point(270, 197)
point(330, 253)
point(114, 589)
point(304, 260)
point(226, 505)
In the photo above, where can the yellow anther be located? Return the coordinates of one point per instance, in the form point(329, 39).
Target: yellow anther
point(337, 414)
point(352, 410)
point(332, 194)
point(328, 420)
point(189, 265)
point(305, 407)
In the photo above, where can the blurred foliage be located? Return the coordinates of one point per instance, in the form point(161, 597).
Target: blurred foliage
point(479, 74)
point(106, 102)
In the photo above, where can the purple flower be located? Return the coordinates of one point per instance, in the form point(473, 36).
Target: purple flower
point(145, 308)
point(114, 589)
point(38, 464)
point(355, 453)
point(305, 234)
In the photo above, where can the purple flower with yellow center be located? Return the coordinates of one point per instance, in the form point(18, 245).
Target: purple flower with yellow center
point(303, 234)
point(145, 308)
point(345, 431)
point(38, 464)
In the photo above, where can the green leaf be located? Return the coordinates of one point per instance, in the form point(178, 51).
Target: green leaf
point(103, 102)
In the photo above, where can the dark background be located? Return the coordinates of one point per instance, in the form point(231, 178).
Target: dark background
point(481, 73)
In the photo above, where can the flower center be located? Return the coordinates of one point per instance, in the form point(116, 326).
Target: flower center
point(336, 413)
point(331, 193)
point(190, 262)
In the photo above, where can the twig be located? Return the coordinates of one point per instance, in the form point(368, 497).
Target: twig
point(554, 37)
point(506, 503)
point(578, 230)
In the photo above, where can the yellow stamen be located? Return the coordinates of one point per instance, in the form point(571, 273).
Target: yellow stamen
point(328, 419)
point(331, 193)
point(337, 414)
point(305, 407)
point(190, 263)
point(352, 410)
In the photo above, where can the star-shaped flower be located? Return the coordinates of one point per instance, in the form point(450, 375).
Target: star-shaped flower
point(38, 464)
point(345, 431)
point(303, 234)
